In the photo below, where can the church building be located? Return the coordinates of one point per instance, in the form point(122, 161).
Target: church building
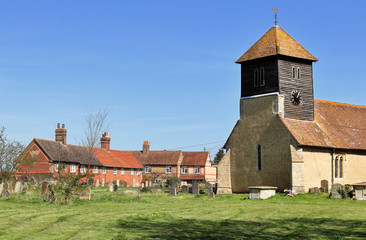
point(284, 137)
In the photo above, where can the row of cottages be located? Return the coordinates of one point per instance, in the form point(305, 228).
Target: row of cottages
point(188, 166)
point(112, 165)
point(106, 164)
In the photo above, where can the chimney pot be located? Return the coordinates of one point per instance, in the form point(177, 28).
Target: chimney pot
point(58, 125)
point(61, 134)
point(105, 141)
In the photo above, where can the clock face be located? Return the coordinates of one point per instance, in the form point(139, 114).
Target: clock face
point(296, 97)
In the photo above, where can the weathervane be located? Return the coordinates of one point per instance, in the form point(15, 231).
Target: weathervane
point(275, 11)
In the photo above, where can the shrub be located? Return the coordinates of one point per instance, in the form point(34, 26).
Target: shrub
point(173, 181)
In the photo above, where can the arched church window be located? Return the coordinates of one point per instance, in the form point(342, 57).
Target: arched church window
point(298, 73)
point(259, 157)
point(293, 72)
point(256, 77)
point(341, 167)
point(336, 167)
point(262, 81)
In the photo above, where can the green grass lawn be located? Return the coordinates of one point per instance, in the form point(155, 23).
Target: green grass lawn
point(186, 216)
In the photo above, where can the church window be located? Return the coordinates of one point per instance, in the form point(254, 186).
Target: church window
point(256, 77)
point(298, 73)
point(293, 72)
point(336, 167)
point(259, 157)
point(341, 167)
point(262, 81)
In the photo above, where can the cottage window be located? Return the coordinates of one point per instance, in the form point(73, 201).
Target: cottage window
point(115, 171)
point(262, 81)
point(256, 77)
point(259, 158)
point(57, 167)
point(138, 172)
point(82, 169)
point(184, 170)
point(148, 169)
point(72, 168)
point(122, 171)
point(197, 170)
point(168, 169)
point(132, 171)
point(95, 169)
point(104, 170)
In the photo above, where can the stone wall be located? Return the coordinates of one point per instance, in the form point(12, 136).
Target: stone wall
point(224, 175)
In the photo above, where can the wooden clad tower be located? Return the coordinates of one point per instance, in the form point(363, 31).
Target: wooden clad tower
point(277, 63)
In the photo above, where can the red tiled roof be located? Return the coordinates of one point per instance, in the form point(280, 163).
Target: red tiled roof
point(194, 158)
point(126, 159)
point(192, 177)
point(336, 125)
point(158, 157)
point(276, 42)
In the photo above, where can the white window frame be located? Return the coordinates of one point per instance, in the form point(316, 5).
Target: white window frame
point(184, 170)
point(168, 169)
point(122, 171)
point(72, 168)
point(138, 172)
point(95, 169)
point(114, 171)
point(197, 172)
point(147, 169)
point(57, 167)
point(82, 169)
point(132, 171)
point(104, 170)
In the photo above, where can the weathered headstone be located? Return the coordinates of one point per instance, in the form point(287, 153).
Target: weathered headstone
point(97, 183)
point(44, 188)
point(103, 182)
point(314, 190)
point(50, 195)
point(211, 194)
point(110, 188)
point(195, 188)
point(324, 185)
point(334, 190)
point(146, 183)
point(133, 182)
point(115, 188)
point(185, 188)
point(110, 183)
point(1, 188)
point(18, 187)
point(142, 185)
point(208, 187)
point(11, 183)
point(149, 183)
point(117, 182)
point(5, 193)
point(173, 191)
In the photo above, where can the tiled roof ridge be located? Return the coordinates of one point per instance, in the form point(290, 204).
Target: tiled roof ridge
point(339, 103)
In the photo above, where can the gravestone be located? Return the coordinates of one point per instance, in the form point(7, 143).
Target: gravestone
point(146, 183)
point(1, 188)
point(5, 193)
point(103, 182)
point(115, 188)
point(185, 188)
point(50, 195)
point(208, 187)
point(11, 183)
point(314, 190)
point(195, 188)
point(149, 183)
point(334, 190)
point(261, 192)
point(173, 191)
point(110, 183)
point(133, 183)
point(110, 188)
point(44, 188)
point(142, 185)
point(18, 187)
point(211, 194)
point(97, 183)
point(324, 185)
point(117, 182)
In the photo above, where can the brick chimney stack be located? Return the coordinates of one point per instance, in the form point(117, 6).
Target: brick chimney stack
point(145, 147)
point(60, 133)
point(105, 141)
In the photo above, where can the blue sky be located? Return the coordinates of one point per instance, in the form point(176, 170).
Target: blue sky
point(165, 69)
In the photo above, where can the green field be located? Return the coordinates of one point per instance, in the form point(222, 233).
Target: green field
point(186, 216)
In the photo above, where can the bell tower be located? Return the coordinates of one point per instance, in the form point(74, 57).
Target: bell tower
point(278, 64)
